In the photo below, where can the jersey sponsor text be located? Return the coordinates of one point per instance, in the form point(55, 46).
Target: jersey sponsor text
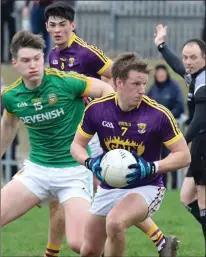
point(42, 116)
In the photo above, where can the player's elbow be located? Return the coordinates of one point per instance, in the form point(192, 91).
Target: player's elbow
point(108, 89)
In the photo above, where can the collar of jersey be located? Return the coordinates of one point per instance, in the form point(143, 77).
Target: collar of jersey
point(71, 39)
point(69, 43)
point(198, 72)
point(44, 79)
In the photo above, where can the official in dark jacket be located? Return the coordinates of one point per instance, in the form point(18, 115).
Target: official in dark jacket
point(167, 92)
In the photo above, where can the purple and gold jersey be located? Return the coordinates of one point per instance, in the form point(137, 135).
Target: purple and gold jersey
point(80, 57)
point(142, 130)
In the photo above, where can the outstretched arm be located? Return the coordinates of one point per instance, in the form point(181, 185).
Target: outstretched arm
point(172, 60)
point(99, 88)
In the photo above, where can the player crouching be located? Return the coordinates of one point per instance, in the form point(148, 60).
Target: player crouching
point(141, 125)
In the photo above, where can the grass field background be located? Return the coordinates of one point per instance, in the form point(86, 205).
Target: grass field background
point(27, 236)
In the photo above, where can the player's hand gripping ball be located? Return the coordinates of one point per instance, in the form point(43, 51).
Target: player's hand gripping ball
point(141, 169)
point(93, 164)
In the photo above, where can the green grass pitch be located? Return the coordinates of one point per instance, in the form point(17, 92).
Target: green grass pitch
point(27, 236)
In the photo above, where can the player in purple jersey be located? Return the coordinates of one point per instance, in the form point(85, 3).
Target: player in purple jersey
point(139, 125)
point(72, 53)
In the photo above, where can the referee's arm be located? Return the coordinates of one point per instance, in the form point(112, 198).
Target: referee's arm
point(172, 60)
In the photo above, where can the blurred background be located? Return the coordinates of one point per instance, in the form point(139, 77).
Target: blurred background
point(113, 26)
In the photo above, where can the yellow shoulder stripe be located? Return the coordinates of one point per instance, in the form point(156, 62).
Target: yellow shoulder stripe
point(100, 100)
point(92, 48)
point(163, 109)
point(69, 74)
point(81, 131)
point(109, 62)
point(88, 87)
point(173, 140)
point(15, 84)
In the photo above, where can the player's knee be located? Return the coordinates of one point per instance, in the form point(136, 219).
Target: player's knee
point(201, 203)
point(185, 197)
point(75, 244)
point(89, 250)
point(114, 226)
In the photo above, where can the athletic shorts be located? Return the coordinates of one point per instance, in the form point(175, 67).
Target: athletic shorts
point(95, 147)
point(106, 199)
point(56, 183)
point(197, 168)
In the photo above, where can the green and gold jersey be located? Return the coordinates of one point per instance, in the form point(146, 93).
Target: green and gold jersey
point(51, 114)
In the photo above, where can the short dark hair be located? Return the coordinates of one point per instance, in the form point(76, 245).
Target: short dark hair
point(23, 39)
point(199, 42)
point(126, 62)
point(59, 9)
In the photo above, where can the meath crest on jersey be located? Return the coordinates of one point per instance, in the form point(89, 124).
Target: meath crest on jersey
point(141, 128)
point(52, 98)
point(71, 62)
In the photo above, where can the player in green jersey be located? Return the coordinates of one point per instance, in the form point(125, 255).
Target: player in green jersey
point(49, 102)
point(73, 53)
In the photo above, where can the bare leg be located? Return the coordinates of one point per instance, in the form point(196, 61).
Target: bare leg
point(122, 216)
point(16, 200)
point(56, 229)
point(188, 192)
point(94, 236)
point(57, 224)
point(76, 212)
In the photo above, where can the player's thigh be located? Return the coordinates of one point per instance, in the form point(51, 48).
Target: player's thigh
point(198, 159)
point(201, 196)
point(94, 235)
point(72, 182)
point(188, 192)
point(16, 199)
point(135, 205)
point(105, 199)
point(76, 211)
point(127, 212)
point(35, 177)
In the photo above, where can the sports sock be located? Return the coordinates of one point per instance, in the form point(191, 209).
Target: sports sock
point(52, 250)
point(156, 236)
point(194, 209)
point(203, 222)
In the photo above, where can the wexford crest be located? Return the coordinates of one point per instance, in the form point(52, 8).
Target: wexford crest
point(141, 128)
